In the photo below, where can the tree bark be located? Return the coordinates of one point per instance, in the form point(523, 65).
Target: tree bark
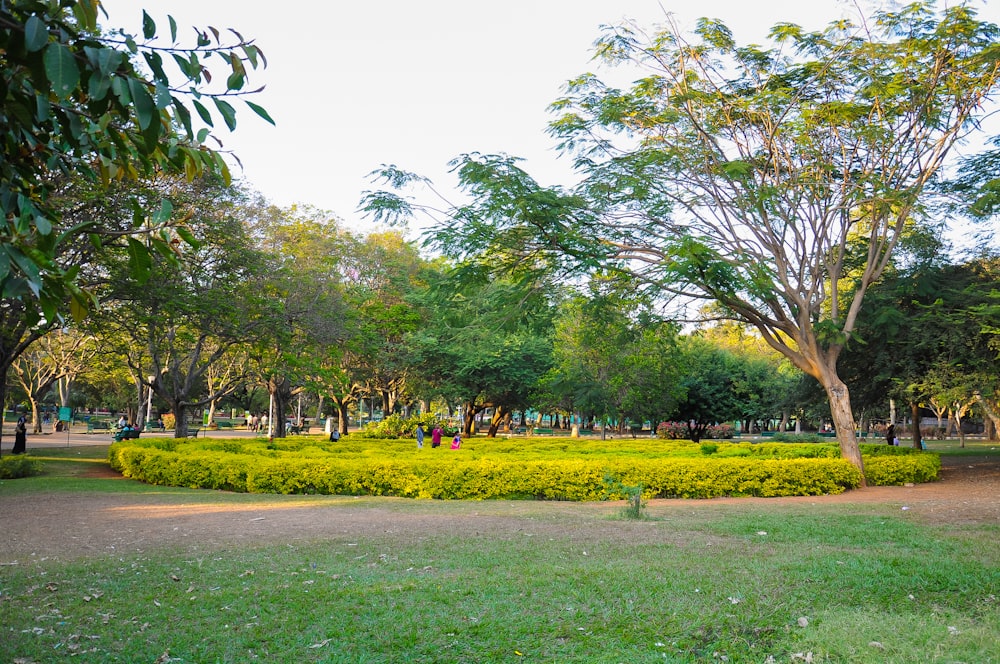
point(500, 414)
point(843, 422)
point(281, 390)
point(180, 419)
point(993, 413)
point(915, 427)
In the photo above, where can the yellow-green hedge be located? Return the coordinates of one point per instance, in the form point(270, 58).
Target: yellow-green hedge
point(489, 469)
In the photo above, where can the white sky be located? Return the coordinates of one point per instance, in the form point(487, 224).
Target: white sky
point(353, 84)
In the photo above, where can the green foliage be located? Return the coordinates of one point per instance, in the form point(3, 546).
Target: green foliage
point(786, 437)
point(549, 469)
point(14, 466)
point(887, 465)
point(634, 504)
point(76, 101)
point(396, 426)
point(776, 182)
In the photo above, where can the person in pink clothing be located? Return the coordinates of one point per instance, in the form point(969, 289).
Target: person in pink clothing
point(436, 437)
point(456, 442)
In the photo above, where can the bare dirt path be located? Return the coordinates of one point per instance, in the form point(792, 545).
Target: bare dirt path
point(73, 525)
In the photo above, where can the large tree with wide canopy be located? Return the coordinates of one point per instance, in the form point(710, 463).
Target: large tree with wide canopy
point(775, 181)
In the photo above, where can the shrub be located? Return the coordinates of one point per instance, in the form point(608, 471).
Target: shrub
point(720, 431)
point(671, 430)
point(397, 426)
point(546, 469)
point(16, 466)
point(899, 469)
point(785, 437)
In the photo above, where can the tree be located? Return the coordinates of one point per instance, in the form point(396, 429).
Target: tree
point(486, 346)
point(383, 273)
point(764, 380)
point(185, 319)
point(56, 356)
point(76, 102)
point(708, 385)
point(928, 334)
point(614, 359)
point(773, 181)
point(304, 290)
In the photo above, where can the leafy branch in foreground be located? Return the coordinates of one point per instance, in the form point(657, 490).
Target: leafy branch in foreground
point(76, 101)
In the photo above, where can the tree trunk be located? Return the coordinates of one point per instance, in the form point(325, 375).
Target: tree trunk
point(843, 422)
point(915, 428)
point(499, 415)
point(3, 399)
point(281, 390)
point(342, 417)
point(469, 413)
point(36, 417)
point(211, 411)
point(993, 415)
point(180, 420)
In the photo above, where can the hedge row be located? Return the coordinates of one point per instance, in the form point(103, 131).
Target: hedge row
point(494, 471)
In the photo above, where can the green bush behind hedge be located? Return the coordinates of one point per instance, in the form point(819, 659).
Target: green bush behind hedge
point(15, 466)
point(549, 469)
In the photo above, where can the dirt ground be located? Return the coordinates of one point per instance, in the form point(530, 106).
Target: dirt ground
point(71, 525)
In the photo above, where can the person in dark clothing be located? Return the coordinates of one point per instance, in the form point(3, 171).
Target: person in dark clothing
point(20, 436)
point(890, 434)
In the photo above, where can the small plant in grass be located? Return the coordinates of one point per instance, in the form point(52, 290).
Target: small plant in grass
point(635, 506)
point(709, 448)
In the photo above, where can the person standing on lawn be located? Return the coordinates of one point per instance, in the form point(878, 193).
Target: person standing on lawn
point(20, 436)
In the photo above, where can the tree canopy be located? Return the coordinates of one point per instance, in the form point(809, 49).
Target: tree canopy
point(773, 181)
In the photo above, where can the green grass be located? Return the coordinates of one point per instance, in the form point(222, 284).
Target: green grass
point(695, 582)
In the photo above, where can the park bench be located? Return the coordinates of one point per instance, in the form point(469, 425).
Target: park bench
point(98, 425)
point(296, 429)
point(224, 424)
point(124, 434)
point(193, 433)
point(543, 431)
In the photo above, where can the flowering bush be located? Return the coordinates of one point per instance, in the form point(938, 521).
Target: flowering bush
point(671, 430)
point(720, 431)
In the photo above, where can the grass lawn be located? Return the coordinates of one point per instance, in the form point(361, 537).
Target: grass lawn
point(781, 581)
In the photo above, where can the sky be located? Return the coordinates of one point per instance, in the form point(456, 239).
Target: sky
point(355, 84)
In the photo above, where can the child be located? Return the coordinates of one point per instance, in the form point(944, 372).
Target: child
point(456, 442)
